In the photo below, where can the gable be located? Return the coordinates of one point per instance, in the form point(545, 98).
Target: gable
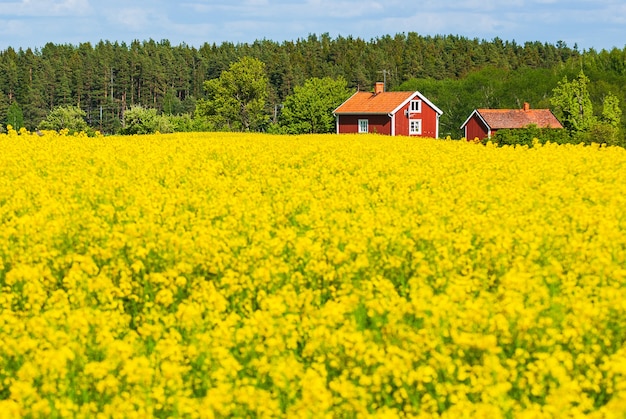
point(419, 96)
point(475, 114)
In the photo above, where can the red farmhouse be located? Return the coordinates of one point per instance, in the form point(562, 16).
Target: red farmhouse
point(483, 123)
point(388, 113)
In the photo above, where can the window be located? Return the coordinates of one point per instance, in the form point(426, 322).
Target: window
point(363, 126)
point(415, 127)
point(416, 106)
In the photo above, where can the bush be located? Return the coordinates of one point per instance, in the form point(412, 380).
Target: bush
point(140, 120)
point(71, 118)
point(525, 136)
point(187, 123)
point(601, 133)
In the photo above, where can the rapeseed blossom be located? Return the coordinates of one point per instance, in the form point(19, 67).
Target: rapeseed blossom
point(214, 275)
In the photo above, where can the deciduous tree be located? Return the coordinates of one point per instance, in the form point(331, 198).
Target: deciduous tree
point(572, 101)
point(611, 112)
point(611, 119)
point(71, 118)
point(140, 120)
point(309, 109)
point(15, 117)
point(236, 100)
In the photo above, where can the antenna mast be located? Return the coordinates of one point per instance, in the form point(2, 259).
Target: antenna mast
point(384, 77)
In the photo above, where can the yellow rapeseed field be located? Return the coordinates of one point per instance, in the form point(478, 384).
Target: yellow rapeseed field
point(248, 275)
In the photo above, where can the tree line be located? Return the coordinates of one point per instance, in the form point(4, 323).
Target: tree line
point(172, 84)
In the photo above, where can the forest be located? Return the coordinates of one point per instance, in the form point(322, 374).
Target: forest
point(458, 74)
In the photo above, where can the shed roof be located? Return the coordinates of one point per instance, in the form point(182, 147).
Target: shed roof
point(516, 118)
point(379, 103)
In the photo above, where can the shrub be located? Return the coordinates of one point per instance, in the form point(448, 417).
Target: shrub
point(71, 118)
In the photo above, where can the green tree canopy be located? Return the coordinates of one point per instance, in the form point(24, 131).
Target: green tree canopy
point(140, 120)
point(15, 117)
point(309, 109)
point(236, 100)
point(68, 117)
point(610, 121)
point(458, 74)
point(572, 101)
point(611, 112)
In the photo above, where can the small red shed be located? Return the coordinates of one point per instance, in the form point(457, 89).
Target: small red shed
point(483, 123)
point(388, 113)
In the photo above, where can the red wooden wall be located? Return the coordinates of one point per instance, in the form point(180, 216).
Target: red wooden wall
point(381, 124)
point(428, 117)
point(349, 124)
point(475, 128)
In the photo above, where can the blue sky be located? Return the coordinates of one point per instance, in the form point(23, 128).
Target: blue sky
point(599, 24)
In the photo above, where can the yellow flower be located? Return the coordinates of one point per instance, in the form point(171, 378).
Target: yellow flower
point(239, 275)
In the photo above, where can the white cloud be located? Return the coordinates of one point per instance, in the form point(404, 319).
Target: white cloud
point(38, 8)
point(12, 26)
point(256, 3)
point(133, 19)
point(586, 22)
point(283, 13)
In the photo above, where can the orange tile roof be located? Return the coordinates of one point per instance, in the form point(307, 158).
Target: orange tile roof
point(519, 118)
point(370, 103)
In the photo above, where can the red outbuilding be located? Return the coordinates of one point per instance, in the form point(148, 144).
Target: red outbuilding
point(388, 113)
point(483, 123)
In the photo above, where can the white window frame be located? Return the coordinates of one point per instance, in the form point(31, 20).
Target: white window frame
point(415, 106)
point(363, 126)
point(415, 127)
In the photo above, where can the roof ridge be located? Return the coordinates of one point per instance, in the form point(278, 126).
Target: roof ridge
point(513, 109)
point(375, 103)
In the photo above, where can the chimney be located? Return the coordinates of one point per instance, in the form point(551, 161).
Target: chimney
point(379, 88)
point(526, 106)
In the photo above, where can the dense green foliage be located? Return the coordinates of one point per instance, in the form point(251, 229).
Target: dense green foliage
point(458, 74)
point(14, 116)
point(493, 87)
point(573, 104)
point(71, 118)
point(236, 100)
point(140, 120)
point(572, 101)
point(527, 136)
point(309, 110)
